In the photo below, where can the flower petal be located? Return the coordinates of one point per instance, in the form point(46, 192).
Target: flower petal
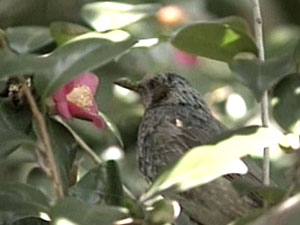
point(61, 104)
point(87, 79)
point(89, 114)
point(62, 108)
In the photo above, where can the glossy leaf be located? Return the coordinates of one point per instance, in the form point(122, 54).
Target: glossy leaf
point(101, 184)
point(64, 147)
point(65, 31)
point(79, 56)
point(114, 15)
point(31, 221)
point(205, 163)
point(12, 64)
point(220, 40)
point(14, 125)
point(83, 54)
point(260, 76)
point(18, 201)
point(286, 108)
point(78, 212)
point(25, 192)
point(92, 187)
point(26, 39)
point(114, 187)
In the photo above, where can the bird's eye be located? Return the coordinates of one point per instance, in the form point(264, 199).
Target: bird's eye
point(152, 84)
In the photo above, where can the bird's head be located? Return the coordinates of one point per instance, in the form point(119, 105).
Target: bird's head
point(159, 89)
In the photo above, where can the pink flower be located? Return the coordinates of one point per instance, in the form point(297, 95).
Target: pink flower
point(76, 99)
point(185, 59)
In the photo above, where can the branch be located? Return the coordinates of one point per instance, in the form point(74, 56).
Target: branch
point(258, 27)
point(43, 135)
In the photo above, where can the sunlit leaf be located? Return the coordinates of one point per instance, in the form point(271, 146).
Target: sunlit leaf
point(26, 39)
point(51, 71)
point(205, 163)
point(220, 40)
point(80, 56)
point(72, 211)
point(65, 31)
point(285, 104)
point(114, 15)
point(260, 76)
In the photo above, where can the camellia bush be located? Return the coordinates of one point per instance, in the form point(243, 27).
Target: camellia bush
point(52, 124)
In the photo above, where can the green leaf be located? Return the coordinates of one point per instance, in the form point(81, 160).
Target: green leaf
point(65, 31)
point(285, 103)
point(18, 201)
point(64, 147)
point(25, 192)
point(287, 213)
point(81, 55)
point(12, 64)
point(270, 194)
point(114, 15)
point(115, 188)
point(84, 53)
point(14, 126)
point(161, 214)
point(31, 221)
point(26, 39)
point(260, 76)
point(220, 40)
point(92, 187)
point(101, 183)
point(78, 212)
point(205, 163)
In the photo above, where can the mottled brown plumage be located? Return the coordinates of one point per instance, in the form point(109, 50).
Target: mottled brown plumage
point(176, 119)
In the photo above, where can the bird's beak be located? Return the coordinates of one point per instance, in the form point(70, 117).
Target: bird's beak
point(128, 84)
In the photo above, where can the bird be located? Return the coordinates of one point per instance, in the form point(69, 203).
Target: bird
point(176, 119)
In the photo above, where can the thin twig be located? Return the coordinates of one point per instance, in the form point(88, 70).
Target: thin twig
point(43, 134)
point(89, 151)
point(81, 143)
point(258, 27)
point(3, 43)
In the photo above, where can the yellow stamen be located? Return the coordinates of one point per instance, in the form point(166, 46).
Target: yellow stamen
point(81, 96)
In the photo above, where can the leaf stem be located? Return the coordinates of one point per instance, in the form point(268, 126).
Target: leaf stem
point(81, 143)
point(258, 28)
point(89, 151)
point(45, 140)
